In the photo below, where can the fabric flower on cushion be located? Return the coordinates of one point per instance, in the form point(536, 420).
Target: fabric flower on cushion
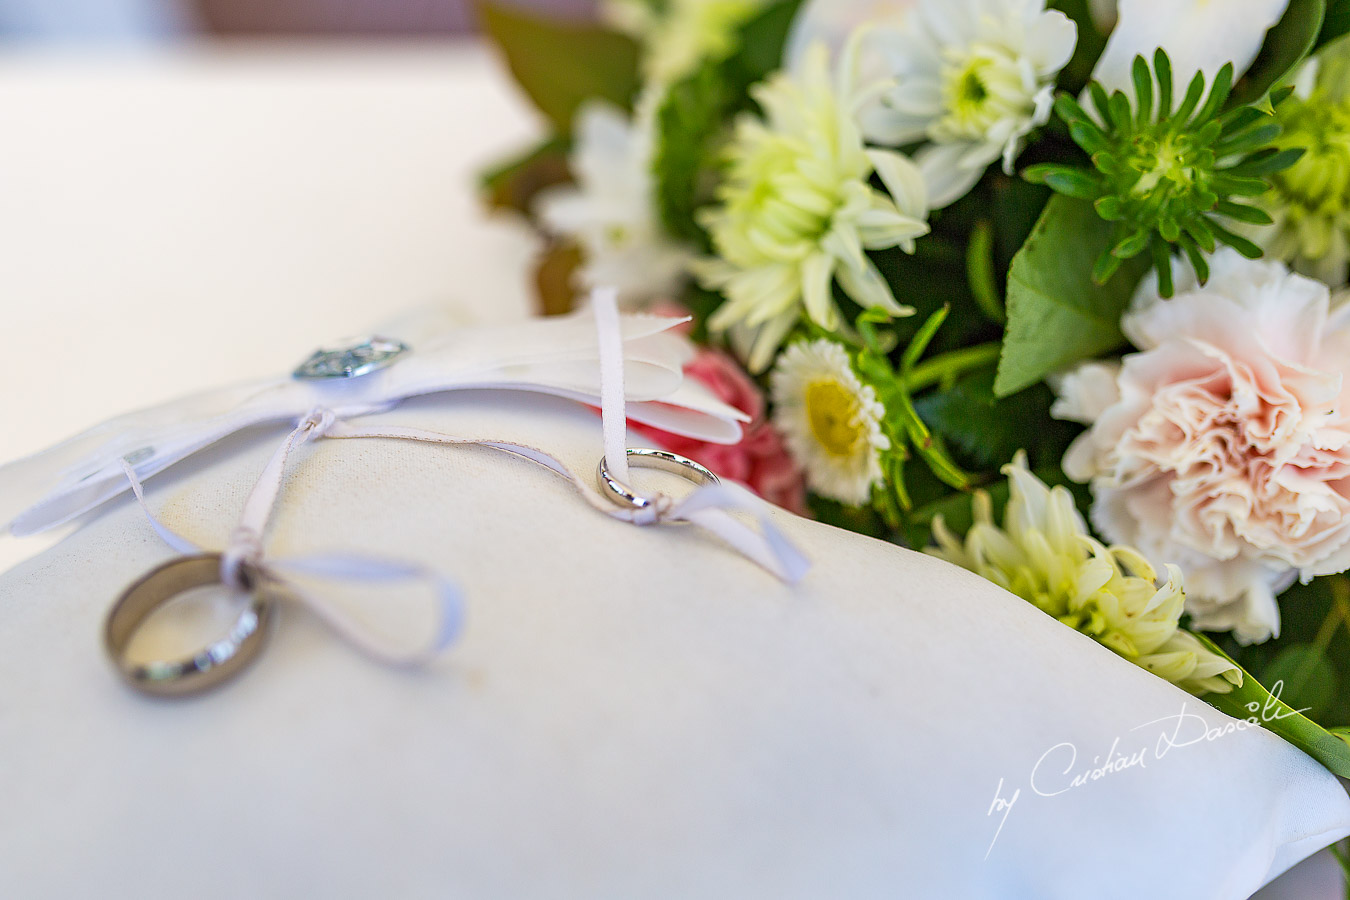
point(611, 212)
point(760, 460)
point(679, 34)
point(972, 79)
point(1044, 555)
point(1198, 36)
point(831, 420)
point(796, 213)
point(1224, 443)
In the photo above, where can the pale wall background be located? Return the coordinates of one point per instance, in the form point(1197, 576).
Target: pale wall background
point(360, 16)
point(139, 20)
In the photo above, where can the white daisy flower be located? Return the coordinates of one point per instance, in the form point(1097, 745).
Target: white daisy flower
point(830, 420)
point(972, 79)
point(611, 211)
point(797, 212)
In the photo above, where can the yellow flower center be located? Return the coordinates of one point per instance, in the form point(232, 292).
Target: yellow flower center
point(833, 411)
point(981, 87)
point(1164, 158)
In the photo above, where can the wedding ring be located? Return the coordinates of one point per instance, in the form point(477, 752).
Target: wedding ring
point(642, 458)
point(210, 666)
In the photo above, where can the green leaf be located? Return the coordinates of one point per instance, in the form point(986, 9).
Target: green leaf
point(1336, 22)
point(515, 183)
point(1253, 701)
point(697, 114)
point(1307, 676)
point(1069, 180)
point(989, 430)
point(1057, 316)
point(1312, 614)
point(1287, 44)
point(560, 65)
point(1344, 862)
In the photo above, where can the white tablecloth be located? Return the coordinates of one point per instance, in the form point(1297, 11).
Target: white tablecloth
point(175, 222)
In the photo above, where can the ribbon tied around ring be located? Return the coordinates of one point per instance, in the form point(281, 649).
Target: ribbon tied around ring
point(245, 568)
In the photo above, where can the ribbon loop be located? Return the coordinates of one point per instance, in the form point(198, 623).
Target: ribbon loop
point(244, 556)
point(317, 423)
point(243, 552)
point(708, 507)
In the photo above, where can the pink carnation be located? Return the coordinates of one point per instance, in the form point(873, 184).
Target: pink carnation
point(1223, 445)
point(760, 461)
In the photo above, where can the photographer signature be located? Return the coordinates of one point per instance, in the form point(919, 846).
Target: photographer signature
point(1057, 771)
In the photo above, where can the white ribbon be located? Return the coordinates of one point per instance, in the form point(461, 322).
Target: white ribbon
point(557, 356)
point(245, 552)
point(711, 507)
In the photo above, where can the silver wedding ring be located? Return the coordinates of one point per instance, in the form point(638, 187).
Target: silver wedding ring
point(211, 665)
point(642, 458)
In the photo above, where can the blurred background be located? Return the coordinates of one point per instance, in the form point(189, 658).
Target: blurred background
point(114, 21)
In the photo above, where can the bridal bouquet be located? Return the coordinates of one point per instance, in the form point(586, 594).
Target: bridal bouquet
point(1053, 290)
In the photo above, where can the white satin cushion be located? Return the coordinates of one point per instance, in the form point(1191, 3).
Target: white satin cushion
point(631, 713)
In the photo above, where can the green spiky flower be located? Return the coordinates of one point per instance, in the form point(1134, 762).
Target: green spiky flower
point(1168, 176)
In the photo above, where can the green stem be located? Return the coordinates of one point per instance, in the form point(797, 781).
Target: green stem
point(948, 365)
point(980, 272)
point(1340, 609)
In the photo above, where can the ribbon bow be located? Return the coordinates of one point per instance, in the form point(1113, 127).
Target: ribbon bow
point(244, 555)
point(711, 507)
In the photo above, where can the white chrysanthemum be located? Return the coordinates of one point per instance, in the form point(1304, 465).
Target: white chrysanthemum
point(679, 35)
point(972, 79)
point(830, 420)
point(1309, 202)
point(611, 212)
point(797, 212)
point(1044, 554)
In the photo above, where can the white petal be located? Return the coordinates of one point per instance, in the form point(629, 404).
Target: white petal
point(832, 21)
point(1198, 35)
point(1050, 42)
point(1084, 393)
point(883, 124)
point(760, 345)
point(866, 286)
point(817, 278)
point(904, 181)
point(947, 179)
